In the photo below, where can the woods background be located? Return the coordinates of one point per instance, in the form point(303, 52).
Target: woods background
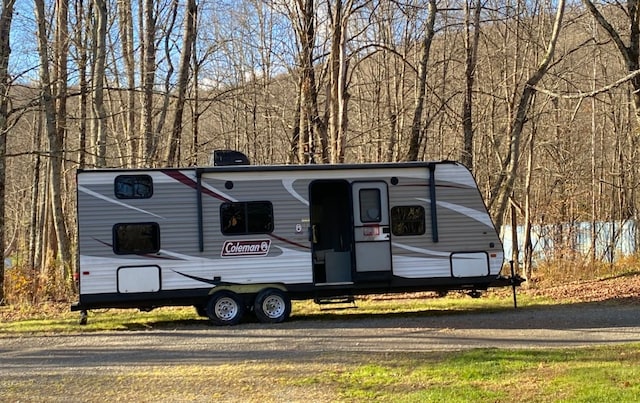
point(540, 99)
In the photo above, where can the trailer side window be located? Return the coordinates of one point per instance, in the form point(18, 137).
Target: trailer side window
point(133, 186)
point(370, 208)
point(407, 220)
point(242, 218)
point(136, 238)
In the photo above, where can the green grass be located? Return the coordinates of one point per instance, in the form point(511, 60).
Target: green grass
point(102, 320)
point(602, 374)
point(583, 375)
point(61, 320)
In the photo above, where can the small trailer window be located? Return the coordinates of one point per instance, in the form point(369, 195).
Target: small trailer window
point(244, 218)
point(370, 208)
point(133, 186)
point(136, 238)
point(407, 220)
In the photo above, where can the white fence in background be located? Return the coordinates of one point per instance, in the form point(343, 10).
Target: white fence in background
point(612, 240)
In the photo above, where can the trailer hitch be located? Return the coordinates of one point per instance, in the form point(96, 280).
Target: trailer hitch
point(513, 281)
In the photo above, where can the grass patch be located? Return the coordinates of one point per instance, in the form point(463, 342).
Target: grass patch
point(417, 304)
point(593, 374)
point(599, 374)
point(56, 318)
point(102, 320)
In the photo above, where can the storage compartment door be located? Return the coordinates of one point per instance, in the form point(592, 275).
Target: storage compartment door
point(138, 279)
point(469, 264)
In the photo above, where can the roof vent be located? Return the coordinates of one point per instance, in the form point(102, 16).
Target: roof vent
point(228, 157)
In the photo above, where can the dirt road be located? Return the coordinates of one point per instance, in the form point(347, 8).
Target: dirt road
point(185, 343)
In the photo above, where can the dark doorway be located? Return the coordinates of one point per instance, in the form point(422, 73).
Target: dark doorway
point(331, 231)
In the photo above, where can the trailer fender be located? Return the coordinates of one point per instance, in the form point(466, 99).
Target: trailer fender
point(247, 288)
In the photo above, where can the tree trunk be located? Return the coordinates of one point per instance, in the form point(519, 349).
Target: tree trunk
point(126, 40)
point(35, 234)
point(82, 49)
point(173, 153)
point(295, 153)
point(515, 245)
point(148, 65)
point(6, 16)
point(471, 40)
point(195, 108)
point(311, 120)
point(99, 126)
point(338, 83)
point(55, 144)
point(417, 130)
point(527, 244)
point(60, 67)
point(166, 96)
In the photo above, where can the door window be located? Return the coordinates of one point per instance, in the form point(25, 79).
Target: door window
point(370, 207)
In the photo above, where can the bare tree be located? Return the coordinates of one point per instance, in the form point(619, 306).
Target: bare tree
point(148, 73)
point(504, 186)
point(630, 53)
point(471, 39)
point(80, 40)
point(417, 131)
point(189, 34)
point(304, 23)
point(6, 16)
point(55, 143)
point(125, 26)
point(165, 27)
point(99, 48)
point(338, 65)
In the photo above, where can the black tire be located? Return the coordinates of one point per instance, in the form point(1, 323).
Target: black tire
point(225, 308)
point(272, 306)
point(201, 310)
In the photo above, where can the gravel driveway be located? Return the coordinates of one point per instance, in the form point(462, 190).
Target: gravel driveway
point(558, 326)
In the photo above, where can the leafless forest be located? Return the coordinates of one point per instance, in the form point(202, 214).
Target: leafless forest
point(540, 98)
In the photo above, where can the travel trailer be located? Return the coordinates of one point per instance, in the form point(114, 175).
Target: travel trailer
point(235, 239)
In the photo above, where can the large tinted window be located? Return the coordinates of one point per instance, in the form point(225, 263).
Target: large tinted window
point(136, 238)
point(242, 218)
point(133, 186)
point(407, 220)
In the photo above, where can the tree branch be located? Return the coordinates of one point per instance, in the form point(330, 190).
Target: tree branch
point(589, 94)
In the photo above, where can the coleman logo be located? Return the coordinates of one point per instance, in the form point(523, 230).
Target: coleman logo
point(259, 247)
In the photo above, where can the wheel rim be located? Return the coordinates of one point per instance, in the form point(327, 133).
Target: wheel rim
point(273, 306)
point(226, 308)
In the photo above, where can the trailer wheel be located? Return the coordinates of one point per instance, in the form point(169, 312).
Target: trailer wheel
point(272, 306)
point(201, 310)
point(225, 308)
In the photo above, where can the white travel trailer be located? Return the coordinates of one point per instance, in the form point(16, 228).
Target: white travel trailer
point(232, 239)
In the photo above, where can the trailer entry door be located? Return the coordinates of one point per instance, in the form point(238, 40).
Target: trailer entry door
point(371, 230)
point(331, 232)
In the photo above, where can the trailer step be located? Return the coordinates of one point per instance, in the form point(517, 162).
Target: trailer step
point(338, 300)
